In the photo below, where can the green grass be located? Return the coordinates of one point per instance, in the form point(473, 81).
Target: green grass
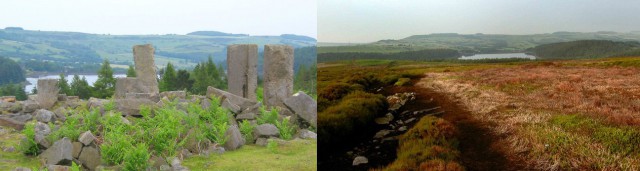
point(299, 155)
point(618, 139)
point(11, 160)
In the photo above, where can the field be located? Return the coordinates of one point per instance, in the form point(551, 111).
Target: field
point(541, 115)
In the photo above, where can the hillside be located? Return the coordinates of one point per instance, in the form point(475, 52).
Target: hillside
point(73, 48)
point(583, 49)
point(478, 43)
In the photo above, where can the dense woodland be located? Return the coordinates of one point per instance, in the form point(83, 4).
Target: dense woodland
point(422, 55)
point(585, 49)
point(10, 72)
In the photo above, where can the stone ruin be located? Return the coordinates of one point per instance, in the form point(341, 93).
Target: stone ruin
point(130, 93)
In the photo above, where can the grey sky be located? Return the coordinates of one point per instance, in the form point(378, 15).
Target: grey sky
point(255, 17)
point(366, 21)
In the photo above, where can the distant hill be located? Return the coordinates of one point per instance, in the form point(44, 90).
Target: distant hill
point(72, 49)
point(422, 55)
point(215, 33)
point(479, 43)
point(584, 49)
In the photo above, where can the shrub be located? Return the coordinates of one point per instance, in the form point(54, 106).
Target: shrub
point(136, 158)
point(163, 130)
point(431, 143)
point(29, 147)
point(68, 129)
point(268, 117)
point(91, 120)
point(247, 130)
point(218, 119)
point(272, 146)
point(286, 129)
point(355, 111)
point(114, 147)
point(402, 82)
point(74, 167)
point(116, 140)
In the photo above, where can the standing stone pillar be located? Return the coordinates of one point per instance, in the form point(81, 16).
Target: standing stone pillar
point(242, 70)
point(145, 67)
point(47, 92)
point(278, 74)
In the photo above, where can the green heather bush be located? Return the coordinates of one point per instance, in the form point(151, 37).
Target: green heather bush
point(217, 118)
point(355, 111)
point(268, 117)
point(402, 82)
point(68, 129)
point(163, 130)
point(431, 143)
point(91, 120)
point(137, 157)
point(247, 130)
point(116, 140)
point(286, 129)
point(29, 147)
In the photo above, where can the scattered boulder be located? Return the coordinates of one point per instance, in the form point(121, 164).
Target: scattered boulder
point(234, 99)
point(29, 106)
point(246, 116)
point(9, 149)
point(21, 169)
point(77, 148)
point(262, 141)
point(266, 130)
point(226, 103)
point(174, 94)
point(304, 106)
point(86, 138)
point(11, 99)
point(306, 134)
point(95, 103)
point(235, 139)
point(58, 168)
point(157, 162)
point(402, 128)
point(194, 145)
point(128, 85)
point(43, 115)
point(10, 107)
point(60, 113)
point(132, 106)
point(384, 120)
point(8, 122)
point(62, 97)
point(90, 157)
point(60, 153)
point(22, 118)
point(360, 160)
point(382, 133)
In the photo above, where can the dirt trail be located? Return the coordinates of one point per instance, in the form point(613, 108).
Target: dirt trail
point(477, 144)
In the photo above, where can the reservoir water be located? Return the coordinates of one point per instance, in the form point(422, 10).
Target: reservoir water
point(499, 56)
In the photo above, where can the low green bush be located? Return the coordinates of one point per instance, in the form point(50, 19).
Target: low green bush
point(29, 146)
point(69, 129)
point(247, 130)
point(136, 158)
point(268, 117)
point(355, 111)
point(272, 146)
point(287, 130)
point(403, 82)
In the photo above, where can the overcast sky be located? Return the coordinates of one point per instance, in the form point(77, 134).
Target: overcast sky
point(255, 17)
point(366, 21)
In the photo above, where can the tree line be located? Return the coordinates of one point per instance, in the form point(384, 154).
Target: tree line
point(423, 55)
point(585, 49)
